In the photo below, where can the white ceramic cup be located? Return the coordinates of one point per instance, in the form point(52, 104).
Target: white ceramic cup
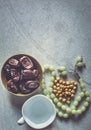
point(38, 112)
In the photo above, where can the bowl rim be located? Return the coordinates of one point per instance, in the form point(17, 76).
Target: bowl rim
point(46, 123)
point(4, 80)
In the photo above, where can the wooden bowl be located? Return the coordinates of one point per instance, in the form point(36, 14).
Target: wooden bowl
point(36, 65)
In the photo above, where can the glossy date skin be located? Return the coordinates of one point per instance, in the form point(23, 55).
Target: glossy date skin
point(21, 74)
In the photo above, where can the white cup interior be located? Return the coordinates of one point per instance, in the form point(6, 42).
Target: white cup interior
point(38, 111)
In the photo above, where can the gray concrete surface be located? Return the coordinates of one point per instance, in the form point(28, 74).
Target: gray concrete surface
point(52, 31)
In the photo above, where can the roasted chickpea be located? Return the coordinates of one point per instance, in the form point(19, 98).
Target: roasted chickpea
point(57, 84)
point(54, 90)
point(60, 81)
point(54, 87)
point(63, 99)
point(72, 95)
point(67, 83)
point(68, 102)
point(60, 98)
point(72, 91)
point(60, 95)
point(57, 94)
point(55, 81)
point(75, 83)
point(58, 78)
point(64, 90)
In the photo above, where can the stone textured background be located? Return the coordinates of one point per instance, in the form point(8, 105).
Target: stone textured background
point(52, 31)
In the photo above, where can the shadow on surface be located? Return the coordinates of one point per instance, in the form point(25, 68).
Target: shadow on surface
point(18, 101)
point(46, 128)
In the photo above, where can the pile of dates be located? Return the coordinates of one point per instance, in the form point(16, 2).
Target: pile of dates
point(22, 74)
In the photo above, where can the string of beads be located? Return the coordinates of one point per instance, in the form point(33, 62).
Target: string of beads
point(64, 110)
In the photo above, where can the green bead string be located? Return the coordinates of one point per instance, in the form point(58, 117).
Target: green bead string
point(61, 109)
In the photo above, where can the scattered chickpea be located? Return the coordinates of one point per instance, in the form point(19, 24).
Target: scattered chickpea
point(54, 87)
point(68, 102)
point(54, 90)
point(72, 95)
point(74, 87)
point(72, 91)
point(57, 84)
point(69, 90)
point(63, 99)
point(63, 93)
point(55, 81)
point(68, 83)
point(60, 95)
point(72, 82)
point(62, 86)
point(63, 82)
point(60, 81)
point(58, 88)
point(57, 94)
point(60, 98)
point(64, 90)
point(75, 83)
point(67, 93)
point(71, 86)
point(58, 78)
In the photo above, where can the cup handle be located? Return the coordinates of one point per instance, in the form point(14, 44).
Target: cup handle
point(21, 121)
